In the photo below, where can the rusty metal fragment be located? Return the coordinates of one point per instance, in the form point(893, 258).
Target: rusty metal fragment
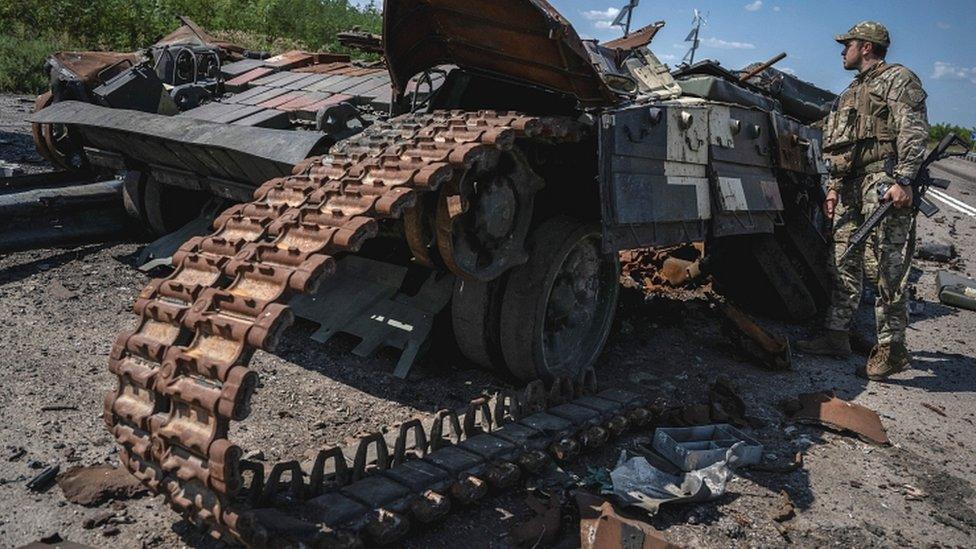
point(601, 527)
point(827, 410)
point(771, 351)
point(636, 39)
point(526, 41)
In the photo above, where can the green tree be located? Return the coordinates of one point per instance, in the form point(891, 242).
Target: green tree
point(938, 131)
point(129, 25)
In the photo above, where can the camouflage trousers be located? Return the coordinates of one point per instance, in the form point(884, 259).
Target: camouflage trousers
point(886, 259)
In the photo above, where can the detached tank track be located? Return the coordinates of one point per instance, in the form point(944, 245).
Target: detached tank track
point(183, 376)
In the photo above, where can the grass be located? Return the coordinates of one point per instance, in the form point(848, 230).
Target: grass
point(33, 30)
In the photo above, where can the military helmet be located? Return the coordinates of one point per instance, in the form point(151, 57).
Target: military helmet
point(869, 31)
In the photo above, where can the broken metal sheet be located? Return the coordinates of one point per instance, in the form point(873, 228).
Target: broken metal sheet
point(636, 39)
point(525, 40)
point(222, 148)
point(827, 410)
point(602, 528)
point(90, 66)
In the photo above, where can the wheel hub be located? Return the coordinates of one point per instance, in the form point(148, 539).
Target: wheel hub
point(484, 218)
point(496, 208)
point(574, 300)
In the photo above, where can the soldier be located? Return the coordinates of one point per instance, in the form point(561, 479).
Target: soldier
point(874, 138)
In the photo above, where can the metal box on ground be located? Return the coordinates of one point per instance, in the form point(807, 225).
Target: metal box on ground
point(692, 448)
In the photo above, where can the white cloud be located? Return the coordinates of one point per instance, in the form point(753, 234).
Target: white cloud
point(754, 6)
point(776, 8)
point(602, 19)
point(598, 15)
point(720, 44)
point(943, 25)
point(787, 70)
point(667, 57)
point(951, 71)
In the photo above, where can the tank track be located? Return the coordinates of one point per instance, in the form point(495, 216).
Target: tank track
point(183, 376)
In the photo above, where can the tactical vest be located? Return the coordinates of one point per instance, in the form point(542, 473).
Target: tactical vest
point(859, 134)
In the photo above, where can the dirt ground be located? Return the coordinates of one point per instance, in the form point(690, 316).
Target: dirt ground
point(61, 309)
point(16, 144)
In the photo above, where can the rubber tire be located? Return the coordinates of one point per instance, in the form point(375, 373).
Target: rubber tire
point(133, 191)
point(475, 312)
point(526, 297)
point(168, 208)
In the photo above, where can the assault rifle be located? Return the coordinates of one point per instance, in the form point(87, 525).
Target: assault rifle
point(920, 186)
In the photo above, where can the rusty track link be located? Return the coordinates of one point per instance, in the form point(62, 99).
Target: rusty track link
point(182, 372)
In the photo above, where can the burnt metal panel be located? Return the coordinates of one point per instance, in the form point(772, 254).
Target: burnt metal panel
point(653, 185)
point(225, 151)
point(751, 139)
point(798, 146)
point(743, 177)
point(525, 40)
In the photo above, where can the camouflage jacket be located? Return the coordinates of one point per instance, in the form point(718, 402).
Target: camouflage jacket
point(880, 115)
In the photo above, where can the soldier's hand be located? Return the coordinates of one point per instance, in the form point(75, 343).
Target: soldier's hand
point(830, 204)
point(901, 195)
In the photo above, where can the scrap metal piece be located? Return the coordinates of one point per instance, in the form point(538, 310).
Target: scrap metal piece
point(602, 527)
point(637, 39)
point(827, 410)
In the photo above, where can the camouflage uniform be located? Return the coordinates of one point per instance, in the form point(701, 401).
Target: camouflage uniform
point(879, 119)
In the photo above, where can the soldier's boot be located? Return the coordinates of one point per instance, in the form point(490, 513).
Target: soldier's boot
point(836, 343)
point(862, 344)
point(886, 360)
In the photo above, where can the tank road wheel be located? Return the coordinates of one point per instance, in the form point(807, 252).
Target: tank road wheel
point(159, 209)
point(43, 101)
point(475, 311)
point(558, 308)
point(483, 217)
point(53, 141)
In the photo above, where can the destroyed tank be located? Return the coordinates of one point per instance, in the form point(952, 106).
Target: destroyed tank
point(512, 190)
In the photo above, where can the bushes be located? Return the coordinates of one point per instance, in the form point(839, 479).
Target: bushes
point(938, 131)
point(22, 56)
point(128, 25)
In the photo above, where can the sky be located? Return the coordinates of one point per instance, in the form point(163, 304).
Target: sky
point(934, 39)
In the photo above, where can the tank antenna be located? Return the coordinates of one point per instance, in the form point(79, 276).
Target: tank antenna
point(698, 21)
point(624, 17)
